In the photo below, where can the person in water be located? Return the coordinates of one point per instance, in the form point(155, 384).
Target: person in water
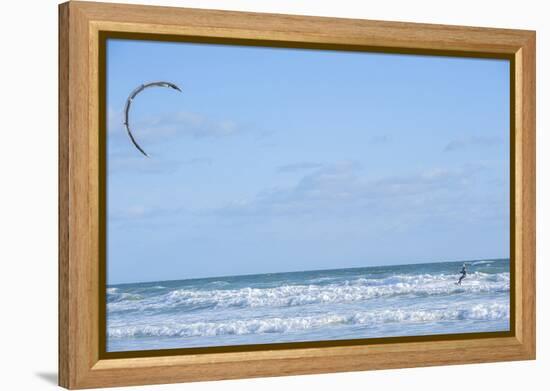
point(463, 272)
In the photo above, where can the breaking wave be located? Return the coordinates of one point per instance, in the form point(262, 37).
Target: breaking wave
point(356, 290)
point(493, 311)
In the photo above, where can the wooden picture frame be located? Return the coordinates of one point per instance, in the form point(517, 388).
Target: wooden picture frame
point(83, 25)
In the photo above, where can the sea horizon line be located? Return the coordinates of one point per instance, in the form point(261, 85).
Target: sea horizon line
point(304, 271)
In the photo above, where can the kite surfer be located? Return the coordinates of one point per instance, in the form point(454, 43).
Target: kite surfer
point(463, 274)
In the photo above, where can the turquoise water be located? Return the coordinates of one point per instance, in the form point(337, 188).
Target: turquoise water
point(369, 302)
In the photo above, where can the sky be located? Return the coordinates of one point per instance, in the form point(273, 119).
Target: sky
point(277, 160)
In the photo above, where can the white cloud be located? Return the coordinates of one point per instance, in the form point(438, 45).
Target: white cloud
point(342, 189)
point(139, 164)
point(298, 167)
point(343, 192)
point(475, 141)
point(185, 124)
point(139, 212)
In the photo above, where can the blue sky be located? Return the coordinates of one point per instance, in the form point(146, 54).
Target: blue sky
point(276, 160)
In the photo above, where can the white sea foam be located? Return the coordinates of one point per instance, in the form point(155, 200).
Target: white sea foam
point(492, 311)
point(114, 296)
point(355, 290)
point(477, 263)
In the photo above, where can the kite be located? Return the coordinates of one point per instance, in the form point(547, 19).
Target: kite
point(133, 94)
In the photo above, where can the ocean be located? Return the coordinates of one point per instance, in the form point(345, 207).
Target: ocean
point(384, 301)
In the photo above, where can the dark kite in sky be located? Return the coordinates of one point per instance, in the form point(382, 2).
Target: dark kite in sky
point(133, 94)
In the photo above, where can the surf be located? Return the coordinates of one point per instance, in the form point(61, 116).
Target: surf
point(274, 325)
point(315, 305)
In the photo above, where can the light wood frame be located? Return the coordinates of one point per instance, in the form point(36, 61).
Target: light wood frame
point(80, 24)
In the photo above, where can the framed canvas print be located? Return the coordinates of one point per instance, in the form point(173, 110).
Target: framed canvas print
point(251, 195)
